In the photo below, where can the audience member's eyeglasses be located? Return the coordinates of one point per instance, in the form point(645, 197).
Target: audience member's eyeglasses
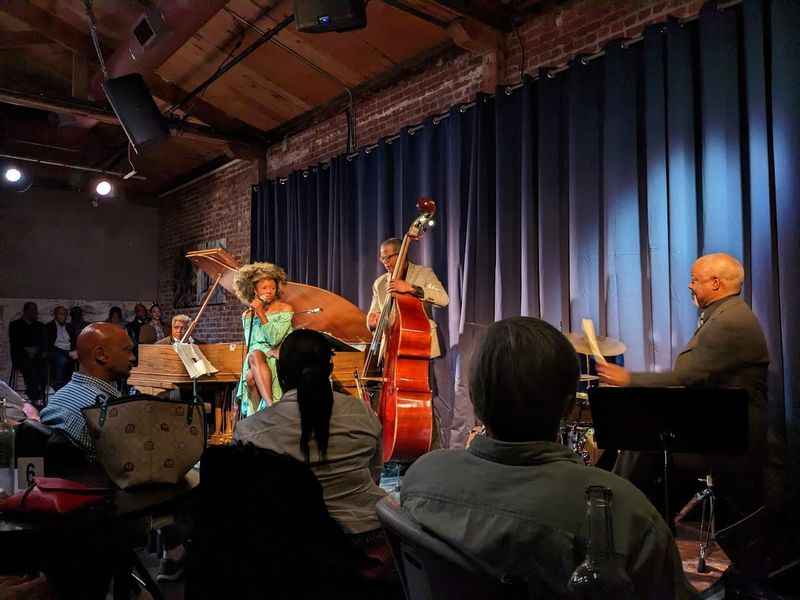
point(387, 258)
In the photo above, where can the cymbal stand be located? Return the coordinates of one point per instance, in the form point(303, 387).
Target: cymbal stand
point(707, 522)
point(708, 531)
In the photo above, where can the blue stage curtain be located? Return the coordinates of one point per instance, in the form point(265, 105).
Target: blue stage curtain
point(587, 193)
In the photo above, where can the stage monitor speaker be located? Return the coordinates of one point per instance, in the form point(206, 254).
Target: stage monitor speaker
point(319, 16)
point(136, 110)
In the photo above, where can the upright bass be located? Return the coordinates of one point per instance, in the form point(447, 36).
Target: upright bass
point(398, 359)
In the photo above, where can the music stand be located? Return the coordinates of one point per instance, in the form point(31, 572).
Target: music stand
point(669, 420)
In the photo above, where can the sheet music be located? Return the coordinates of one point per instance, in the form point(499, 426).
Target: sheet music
point(591, 339)
point(194, 360)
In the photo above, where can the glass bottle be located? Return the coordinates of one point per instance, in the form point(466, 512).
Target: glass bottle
point(7, 457)
point(601, 575)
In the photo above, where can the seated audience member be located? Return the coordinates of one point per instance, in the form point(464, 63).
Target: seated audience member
point(28, 340)
point(115, 316)
point(180, 323)
point(336, 434)
point(515, 500)
point(139, 330)
point(284, 543)
point(60, 348)
point(76, 320)
point(156, 322)
point(105, 354)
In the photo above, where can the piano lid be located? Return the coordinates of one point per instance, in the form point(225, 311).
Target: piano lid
point(215, 261)
point(338, 317)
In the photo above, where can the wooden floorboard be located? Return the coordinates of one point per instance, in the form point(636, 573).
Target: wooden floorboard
point(687, 538)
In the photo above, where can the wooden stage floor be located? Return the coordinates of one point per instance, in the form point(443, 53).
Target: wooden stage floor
point(717, 562)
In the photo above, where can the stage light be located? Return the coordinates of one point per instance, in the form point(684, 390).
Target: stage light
point(13, 175)
point(103, 188)
point(15, 179)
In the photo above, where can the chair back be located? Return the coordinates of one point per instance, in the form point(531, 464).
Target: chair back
point(262, 530)
point(433, 570)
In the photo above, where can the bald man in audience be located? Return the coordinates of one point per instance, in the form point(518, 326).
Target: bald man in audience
point(728, 349)
point(105, 354)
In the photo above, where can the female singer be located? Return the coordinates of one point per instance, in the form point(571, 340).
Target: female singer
point(266, 323)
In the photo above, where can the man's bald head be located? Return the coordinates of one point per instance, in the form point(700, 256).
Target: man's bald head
point(716, 276)
point(105, 351)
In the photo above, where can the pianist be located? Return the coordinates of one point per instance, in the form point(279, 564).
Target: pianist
point(180, 323)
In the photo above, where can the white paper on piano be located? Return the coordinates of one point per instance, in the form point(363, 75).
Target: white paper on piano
point(591, 339)
point(194, 360)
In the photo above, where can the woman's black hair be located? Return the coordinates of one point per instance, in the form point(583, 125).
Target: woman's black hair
point(114, 309)
point(305, 364)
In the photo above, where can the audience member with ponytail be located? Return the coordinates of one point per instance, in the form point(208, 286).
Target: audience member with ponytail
point(335, 434)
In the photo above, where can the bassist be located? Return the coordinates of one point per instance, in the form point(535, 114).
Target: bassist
point(418, 281)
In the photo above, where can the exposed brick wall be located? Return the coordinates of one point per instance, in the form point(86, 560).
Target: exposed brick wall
point(212, 208)
point(584, 27)
point(431, 92)
point(219, 206)
point(550, 39)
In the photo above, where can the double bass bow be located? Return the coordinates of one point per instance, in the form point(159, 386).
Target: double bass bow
point(398, 360)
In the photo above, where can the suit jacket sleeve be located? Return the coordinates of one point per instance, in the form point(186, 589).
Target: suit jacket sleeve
point(722, 345)
point(432, 288)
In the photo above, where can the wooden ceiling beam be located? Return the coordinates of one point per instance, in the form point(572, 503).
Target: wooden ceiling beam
point(22, 39)
point(467, 32)
point(309, 46)
point(64, 34)
point(80, 108)
point(48, 25)
point(499, 20)
point(80, 76)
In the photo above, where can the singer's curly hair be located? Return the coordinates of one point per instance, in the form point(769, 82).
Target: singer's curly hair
point(244, 282)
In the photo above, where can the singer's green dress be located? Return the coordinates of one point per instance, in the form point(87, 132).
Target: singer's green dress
point(263, 337)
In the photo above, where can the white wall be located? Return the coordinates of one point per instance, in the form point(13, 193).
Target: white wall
point(55, 248)
point(54, 244)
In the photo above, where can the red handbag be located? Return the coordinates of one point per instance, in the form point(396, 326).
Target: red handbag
point(51, 495)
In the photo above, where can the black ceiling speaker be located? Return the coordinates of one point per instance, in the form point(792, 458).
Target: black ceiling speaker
point(136, 110)
point(319, 16)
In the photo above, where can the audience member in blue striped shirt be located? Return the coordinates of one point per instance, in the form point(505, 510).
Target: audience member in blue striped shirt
point(105, 354)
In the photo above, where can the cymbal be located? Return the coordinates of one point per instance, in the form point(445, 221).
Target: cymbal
point(588, 377)
point(608, 346)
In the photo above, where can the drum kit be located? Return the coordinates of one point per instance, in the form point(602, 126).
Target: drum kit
point(576, 431)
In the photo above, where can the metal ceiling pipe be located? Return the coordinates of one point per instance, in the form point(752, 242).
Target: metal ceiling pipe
point(73, 167)
point(155, 36)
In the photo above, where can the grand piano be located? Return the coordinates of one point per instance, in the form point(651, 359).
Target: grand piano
point(160, 369)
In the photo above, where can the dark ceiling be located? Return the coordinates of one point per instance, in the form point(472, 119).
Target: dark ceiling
point(48, 69)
